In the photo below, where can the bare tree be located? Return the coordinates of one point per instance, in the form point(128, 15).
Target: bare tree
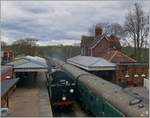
point(137, 28)
point(109, 28)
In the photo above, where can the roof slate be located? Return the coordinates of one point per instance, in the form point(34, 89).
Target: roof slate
point(116, 56)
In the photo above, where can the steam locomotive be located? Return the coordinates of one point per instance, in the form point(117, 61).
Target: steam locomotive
point(62, 89)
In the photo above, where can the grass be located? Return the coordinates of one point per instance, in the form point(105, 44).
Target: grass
point(141, 57)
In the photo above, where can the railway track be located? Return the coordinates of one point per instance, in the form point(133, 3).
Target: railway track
point(74, 111)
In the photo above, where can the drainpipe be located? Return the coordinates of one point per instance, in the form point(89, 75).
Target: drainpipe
point(91, 52)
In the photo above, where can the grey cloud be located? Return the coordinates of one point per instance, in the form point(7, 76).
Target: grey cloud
point(58, 20)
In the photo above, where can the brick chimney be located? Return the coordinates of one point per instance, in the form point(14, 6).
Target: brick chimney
point(98, 31)
point(114, 42)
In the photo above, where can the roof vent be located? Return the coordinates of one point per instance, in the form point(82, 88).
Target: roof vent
point(115, 90)
point(135, 93)
point(140, 105)
point(103, 83)
point(135, 101)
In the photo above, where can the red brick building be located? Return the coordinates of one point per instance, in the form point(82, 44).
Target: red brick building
point(6, 72)
point(96, 45)
point(128, 71)
point(7, 55)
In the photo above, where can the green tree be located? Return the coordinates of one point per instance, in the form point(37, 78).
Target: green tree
point(109, 28)
point(25, 46)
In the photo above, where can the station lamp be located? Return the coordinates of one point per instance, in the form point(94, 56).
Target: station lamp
point(71, 90)
point(143, 75)
point(136, 75)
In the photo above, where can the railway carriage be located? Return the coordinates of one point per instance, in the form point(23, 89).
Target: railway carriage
point(105, 99)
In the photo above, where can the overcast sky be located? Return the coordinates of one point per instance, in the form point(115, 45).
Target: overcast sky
point(59, 22)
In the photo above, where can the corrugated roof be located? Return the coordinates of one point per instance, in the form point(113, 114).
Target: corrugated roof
point(91, 63)
point(6, 85)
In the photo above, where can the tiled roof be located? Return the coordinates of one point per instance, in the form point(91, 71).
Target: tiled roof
point(117, 56)
point(98, 39)
point(92, 41)
point(114, 41)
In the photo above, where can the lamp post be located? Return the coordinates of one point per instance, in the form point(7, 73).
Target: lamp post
point(125, 84)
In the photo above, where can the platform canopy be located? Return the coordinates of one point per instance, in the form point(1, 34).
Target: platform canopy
point(29, 64)
point(91, 63)
point(6, 85)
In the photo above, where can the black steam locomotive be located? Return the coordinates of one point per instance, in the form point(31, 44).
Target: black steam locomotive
point(61, 89)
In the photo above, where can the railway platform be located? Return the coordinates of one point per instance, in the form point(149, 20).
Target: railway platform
point(31, 100)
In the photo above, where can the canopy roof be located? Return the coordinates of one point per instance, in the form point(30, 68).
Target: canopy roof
point(29, 64)
point(6, 85)
point(91, 63)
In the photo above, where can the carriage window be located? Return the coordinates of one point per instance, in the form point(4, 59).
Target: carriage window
point(91, 97)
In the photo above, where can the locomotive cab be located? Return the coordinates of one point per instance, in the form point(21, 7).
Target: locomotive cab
point(62, 89)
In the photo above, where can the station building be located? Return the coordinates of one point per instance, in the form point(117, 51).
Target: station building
point(128, 71)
